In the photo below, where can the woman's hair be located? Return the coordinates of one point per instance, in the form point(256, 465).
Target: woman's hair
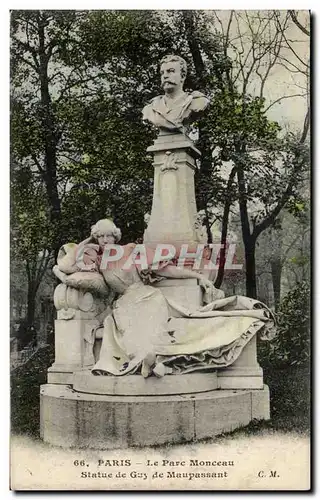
point(104, 226)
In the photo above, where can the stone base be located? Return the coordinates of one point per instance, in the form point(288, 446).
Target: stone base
point(136, 385)
point(237, 377)
point(69, 418)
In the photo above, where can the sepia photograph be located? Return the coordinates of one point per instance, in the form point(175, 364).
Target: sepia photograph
point(160, 250)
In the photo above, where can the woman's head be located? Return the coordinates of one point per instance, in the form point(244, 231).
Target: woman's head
point(105, 232)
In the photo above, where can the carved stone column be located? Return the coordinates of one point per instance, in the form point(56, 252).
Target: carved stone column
point(174, 210)
point(78, 314)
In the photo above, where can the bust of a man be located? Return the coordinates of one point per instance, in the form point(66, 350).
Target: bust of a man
point(175, 108)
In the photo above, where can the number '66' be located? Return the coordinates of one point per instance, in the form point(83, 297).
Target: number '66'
point(79, 462)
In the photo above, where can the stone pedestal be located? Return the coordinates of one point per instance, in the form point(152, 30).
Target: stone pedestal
point(245, 372)
point(174, 210)
point(75, 419)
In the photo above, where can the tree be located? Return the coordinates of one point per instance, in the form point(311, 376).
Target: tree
point(37, 38)
point(58, 105)
point(30, 233)
point(266, 167)
point(283, 252)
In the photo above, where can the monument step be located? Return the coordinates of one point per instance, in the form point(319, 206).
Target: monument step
point(137, 385)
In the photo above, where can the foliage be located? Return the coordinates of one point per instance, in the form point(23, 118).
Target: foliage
point(31, 231)
point(102, 67)
point(79, 80)
point(292, 343)
point(25, 388)
point(84, 132)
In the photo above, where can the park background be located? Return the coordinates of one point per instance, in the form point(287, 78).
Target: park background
point(79, 80)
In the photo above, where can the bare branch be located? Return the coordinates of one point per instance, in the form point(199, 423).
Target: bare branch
point(290, 70)
point(269, 219)
point(284, 97)
point(289, 45)
point(228, 31)
point(299, 69)
point(272, 63)
point(221, 25)
point(297, 22)
point(37, 163)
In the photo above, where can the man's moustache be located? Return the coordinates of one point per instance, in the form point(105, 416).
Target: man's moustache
point(172, 83)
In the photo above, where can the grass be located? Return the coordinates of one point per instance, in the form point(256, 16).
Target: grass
point(289, 402)
point(289, 395)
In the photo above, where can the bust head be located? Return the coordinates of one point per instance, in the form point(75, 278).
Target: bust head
point(105, 232)
point(173, 71)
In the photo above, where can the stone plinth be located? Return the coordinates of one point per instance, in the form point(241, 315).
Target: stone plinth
point(69, 418)
point(184, 291)
point(174, 210)
point(245, 372)
point(136, 385)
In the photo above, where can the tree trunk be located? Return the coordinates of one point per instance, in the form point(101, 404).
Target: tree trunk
point(248, 240)
point(30, 330)
point(276, 270)
point(251, 283)
point(193, 43)
point(31, 304)
point(35, 275)
point(224, 231)
point(223, 243)
point(208, 226)
point(49, 137)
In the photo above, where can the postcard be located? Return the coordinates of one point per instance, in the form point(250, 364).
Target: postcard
point(160, 250)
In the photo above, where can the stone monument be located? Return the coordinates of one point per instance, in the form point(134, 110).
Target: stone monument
point(152, 354)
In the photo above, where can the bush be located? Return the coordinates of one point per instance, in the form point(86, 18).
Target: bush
point(291, 345)
point(25, 392)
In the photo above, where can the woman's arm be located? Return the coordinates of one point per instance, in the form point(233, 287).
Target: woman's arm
point(210, 292)
point(171, 271)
